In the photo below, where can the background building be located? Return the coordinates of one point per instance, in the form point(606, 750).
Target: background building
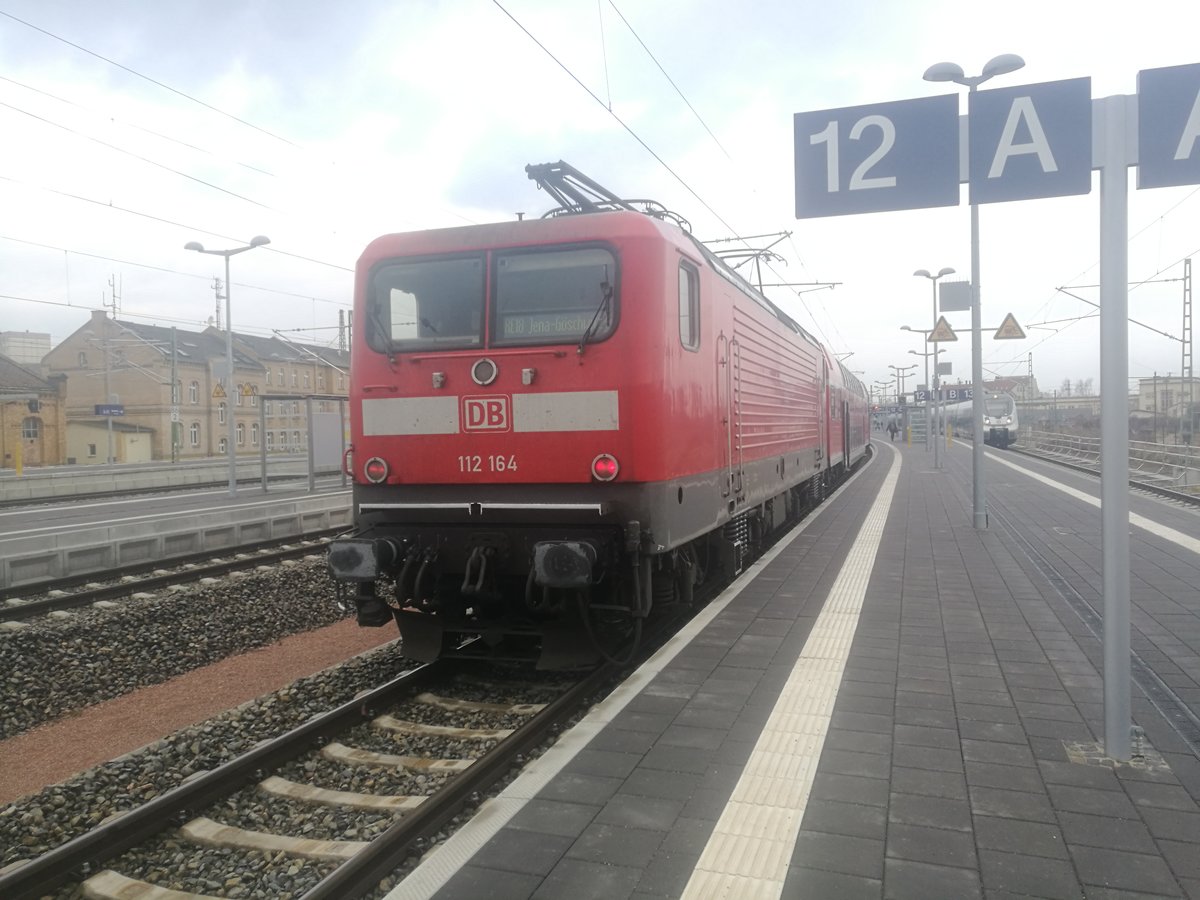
point(32, 417)
point(172, 400)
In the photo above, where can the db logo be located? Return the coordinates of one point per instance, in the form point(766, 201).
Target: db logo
point(485, 413)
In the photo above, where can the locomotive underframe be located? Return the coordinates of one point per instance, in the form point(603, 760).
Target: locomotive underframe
point(531, 571)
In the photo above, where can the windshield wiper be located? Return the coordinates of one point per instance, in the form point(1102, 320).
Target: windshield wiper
point(606, 294)
point(384, 332)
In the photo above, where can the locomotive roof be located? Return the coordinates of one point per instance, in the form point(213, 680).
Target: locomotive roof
point(575, 226)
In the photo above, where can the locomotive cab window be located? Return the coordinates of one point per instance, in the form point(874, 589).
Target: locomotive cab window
point(689, 307)
point(427, 304)
point(556, 296)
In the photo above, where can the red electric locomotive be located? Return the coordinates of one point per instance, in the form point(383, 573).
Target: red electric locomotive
point(562, 424)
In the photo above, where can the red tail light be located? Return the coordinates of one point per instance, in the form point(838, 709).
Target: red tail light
point(605, 467)
point(376, 470)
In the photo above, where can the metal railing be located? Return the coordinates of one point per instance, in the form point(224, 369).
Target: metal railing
point(1170, 465)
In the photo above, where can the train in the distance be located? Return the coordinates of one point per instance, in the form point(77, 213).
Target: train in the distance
point(561, 425)
point(1000, 423)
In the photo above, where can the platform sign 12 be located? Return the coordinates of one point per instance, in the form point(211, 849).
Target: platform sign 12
point(879, 157)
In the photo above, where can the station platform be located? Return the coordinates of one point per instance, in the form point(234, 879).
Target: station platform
point(890, 703)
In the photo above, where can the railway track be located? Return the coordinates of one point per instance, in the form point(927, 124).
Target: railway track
point(465, 745)
point(196, 835)
point(83, 590)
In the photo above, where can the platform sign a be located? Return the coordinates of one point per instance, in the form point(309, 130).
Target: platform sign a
point(1169, 126)
point(884, 156)
point(1031, 141)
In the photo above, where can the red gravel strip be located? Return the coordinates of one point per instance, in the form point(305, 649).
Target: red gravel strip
point(54, 752)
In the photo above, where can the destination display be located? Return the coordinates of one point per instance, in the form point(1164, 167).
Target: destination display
point(572, 323)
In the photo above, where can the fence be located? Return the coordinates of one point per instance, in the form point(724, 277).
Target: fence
point(1170, 465)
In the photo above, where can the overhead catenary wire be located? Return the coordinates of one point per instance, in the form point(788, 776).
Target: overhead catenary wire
point(618, 119)
point(164, 269)
point(139, 157)
point(136, 127)
point(154, 218)
point(153, 81)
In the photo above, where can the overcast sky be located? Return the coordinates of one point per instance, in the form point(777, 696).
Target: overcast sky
point(130, 128)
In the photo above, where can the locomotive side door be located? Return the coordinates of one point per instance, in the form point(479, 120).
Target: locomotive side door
point(729, 405)
point(724, 411)
point(846, 433)
point(822, 415)
point(735, 356)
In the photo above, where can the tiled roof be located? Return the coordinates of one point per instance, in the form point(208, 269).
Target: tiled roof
point(15, 378)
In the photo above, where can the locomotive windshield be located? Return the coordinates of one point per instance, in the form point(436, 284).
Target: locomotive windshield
point(431, 303)
point(996, 407)
point(552, 297)
point(539, 297)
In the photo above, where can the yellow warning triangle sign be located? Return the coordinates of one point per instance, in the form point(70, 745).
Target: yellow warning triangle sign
point(1009, 330)
point(942, 331)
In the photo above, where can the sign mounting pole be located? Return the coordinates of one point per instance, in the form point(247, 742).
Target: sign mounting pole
point(1111, 144)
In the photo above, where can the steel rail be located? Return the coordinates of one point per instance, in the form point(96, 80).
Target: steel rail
point(363, 872)
point(83, 598)
point(74, 860)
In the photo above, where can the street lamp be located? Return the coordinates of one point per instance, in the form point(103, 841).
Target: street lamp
point(901, 374)
point(937, 403)
point(944, 71)
point(230, 440)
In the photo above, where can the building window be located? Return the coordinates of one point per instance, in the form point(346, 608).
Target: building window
point(194, 434)
point(307, 381)
point(221, 446)
point(689, 307)
point(241, 434)
point(320, 381)
point(91, 451)
point(268, 377)
point(194, 393)
point(31, 428)
point(294, 381)
point(295, 439)
point(220, 413)
point(267, 408)
point(239, 395)
point(341, 381)
point(253, 399)
point(254, 434)
point(281, 381)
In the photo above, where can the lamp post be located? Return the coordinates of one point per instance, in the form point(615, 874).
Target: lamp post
point(937, 403)
point(880, 388)
point(230, 440)
point(944, 71)
point(901, 374)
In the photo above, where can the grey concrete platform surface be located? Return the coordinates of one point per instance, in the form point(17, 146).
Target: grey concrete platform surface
point(79, 539)
point(893, 704)
point(48, 482)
